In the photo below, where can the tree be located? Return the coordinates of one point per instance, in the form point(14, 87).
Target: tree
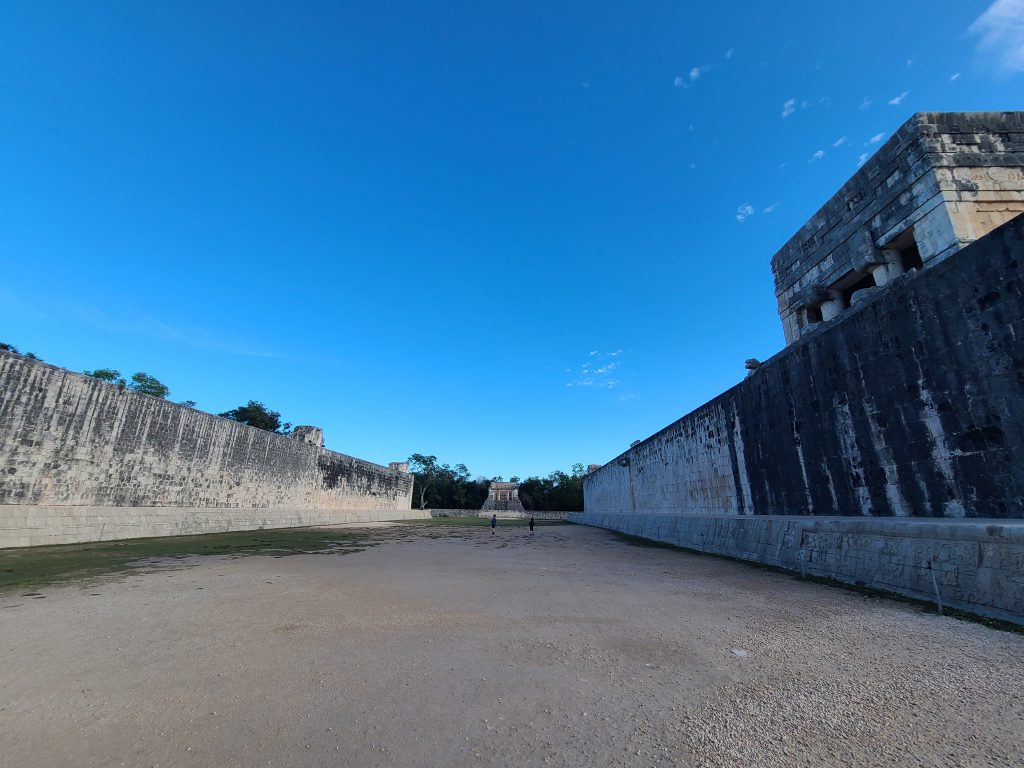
point(188, 403)
point(33, 356)
point(256, 414)
point(109, 375)
point(5, 347)
point(145, 384)
point(425, 472)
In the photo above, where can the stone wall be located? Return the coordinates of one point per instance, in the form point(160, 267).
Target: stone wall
point(911, 404)
point(70, 442)
point(977, 566)
point(502, 514)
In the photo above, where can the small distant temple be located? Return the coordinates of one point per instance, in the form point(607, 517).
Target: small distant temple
point(503, 497)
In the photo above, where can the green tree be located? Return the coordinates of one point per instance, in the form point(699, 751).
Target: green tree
point(106, 374)
point(5, 347)
point(425, 471)
point(188, 403)
point(256, 414)
point(145, 384)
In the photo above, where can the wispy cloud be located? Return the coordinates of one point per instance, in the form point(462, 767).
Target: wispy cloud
point(13, 304)
point(598, 371)
point(744, 212)
point(729, 53)
point(770, 208)
point(154, 328)
point(817, 155)
point(895, 101)
point(954, 77)
point(788, 108)
point(862, 159)
point(876, 138)
point(839, 142)
point(692, 76)
point(1000, 33)
point(865, 103)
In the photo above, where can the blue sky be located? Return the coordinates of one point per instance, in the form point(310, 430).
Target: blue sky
point(515, 235)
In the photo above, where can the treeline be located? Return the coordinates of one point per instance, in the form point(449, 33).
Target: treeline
point(442, 486)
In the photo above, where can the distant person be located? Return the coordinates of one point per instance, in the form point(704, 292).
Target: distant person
point(494, 523)
point(531, 526)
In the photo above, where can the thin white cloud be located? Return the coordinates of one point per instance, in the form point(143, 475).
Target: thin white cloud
point(154, 328)
point(770, 208)
point(865, 103)
point(817, 155)
point(1000, 33)
point(744, 212)
point(596, 372)
point(679, 82)
point(862, 159)
point(729, 53)
point(954, 77)
point(788, 108)
point(895, 101)
point(696, 72)
point(839, 142)
point(876, 138)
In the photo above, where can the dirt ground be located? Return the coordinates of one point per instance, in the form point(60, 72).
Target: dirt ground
point(455, 647)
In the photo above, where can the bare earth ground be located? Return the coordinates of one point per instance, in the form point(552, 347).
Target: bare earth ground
point(452, 646)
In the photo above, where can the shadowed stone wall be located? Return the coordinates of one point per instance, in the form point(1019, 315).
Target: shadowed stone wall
point(909, 404)
point(71, 442)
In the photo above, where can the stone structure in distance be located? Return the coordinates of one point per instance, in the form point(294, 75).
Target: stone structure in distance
point(503, 497)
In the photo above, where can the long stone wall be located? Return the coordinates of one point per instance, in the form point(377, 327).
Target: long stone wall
point(502, 514)
point(884, 449)
point(972, 565)
point(912, 404)
point(81, 458)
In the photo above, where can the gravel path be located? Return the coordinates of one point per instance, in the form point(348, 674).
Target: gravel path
point(453, 647)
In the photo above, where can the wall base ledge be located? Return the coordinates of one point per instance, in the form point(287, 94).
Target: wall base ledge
point(978, 564)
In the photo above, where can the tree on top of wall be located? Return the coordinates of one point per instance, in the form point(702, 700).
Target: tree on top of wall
point(5, 347)
point(145, 384)
point(256, 414)
point(109, 375)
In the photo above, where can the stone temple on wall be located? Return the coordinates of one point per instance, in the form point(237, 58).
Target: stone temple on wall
point(503, 497)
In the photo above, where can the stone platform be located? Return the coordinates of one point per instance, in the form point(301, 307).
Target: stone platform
point(978, 564)
point(27, 525)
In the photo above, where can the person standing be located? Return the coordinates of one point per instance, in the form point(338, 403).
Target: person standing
point(494, 523)
point(531, 526)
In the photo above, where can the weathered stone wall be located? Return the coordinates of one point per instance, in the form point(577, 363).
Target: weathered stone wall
point(977, 566)
point(941, 181)
point(910, 404)
point(70, 441)
point(501, 514)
